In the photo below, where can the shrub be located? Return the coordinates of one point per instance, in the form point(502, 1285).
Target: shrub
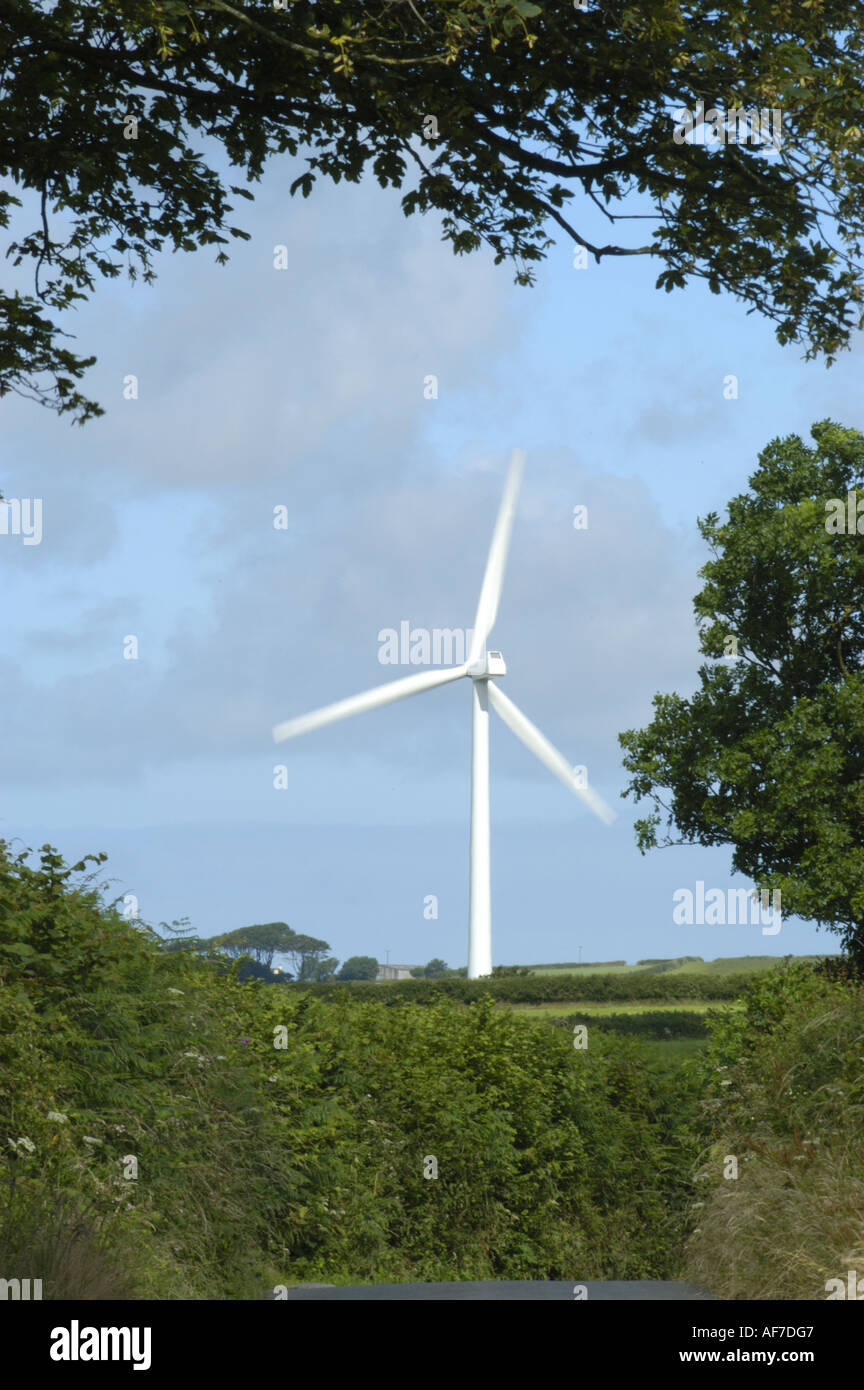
point(657, 1024)
point(279, 1137)
point(541, 989)
point(786, 1097)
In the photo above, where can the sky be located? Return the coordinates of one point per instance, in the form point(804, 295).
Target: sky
point(302, 393)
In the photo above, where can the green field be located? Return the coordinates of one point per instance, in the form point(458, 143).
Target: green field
point(584, 969)
point(723, 965)
point(670, 1051)
point(693, 1006)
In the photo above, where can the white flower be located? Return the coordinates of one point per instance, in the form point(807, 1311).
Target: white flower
point(59, 1118)
point(24, 1143)
point(88, 1139)
point(175, 991)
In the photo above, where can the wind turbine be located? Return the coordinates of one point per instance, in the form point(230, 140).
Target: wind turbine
point(481, 666)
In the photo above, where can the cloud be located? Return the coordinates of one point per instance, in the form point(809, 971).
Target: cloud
point(586, 618)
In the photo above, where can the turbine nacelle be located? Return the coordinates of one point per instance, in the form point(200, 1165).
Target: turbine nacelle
point(486, 665)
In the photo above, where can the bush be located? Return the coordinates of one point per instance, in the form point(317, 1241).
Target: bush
point(359, 968)
point(660, 966)
point(786, 1098)
point(541, 989)
point(658, 1025)
point(176, 1134)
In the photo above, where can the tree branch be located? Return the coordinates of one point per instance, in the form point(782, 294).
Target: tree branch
point(596, 251)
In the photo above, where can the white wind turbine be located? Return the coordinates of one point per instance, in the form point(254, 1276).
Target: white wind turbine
point(481, 666)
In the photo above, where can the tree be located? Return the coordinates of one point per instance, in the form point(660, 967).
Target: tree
point(359, 968)
point(500, 110)
point(308, 956)
point(250, 969)
point(199, 945)
point(261, 942)
point(321, 969)
point(768, 754)
point(435, 970)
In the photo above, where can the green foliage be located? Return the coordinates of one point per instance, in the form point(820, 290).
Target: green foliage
point(669, 963)
point(435, 969)
point(262, 942)
point(785, 1096)
point(768, 755)
point(281, 1137)
point(306, 953)
point(574, 965)
point(589, 121)
point(657, 1023)
point(319, 967)
point(767, 1000)
point(359, 968)
point(542, 989)
point(538, 1148)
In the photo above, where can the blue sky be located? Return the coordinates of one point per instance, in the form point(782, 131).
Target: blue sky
point(304, 388)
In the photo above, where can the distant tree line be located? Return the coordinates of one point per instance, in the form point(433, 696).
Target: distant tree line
point(437, 969)
point(255, 947)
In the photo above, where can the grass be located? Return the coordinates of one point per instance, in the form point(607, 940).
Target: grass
point(788, 1108)
point(585, 969)
point(559, 1010)
point(674, 1049)
point(723, 965)
point(734, 965)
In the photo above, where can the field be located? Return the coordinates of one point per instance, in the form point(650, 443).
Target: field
point(693, 1006)
point(661, 1025)
point(723, 965)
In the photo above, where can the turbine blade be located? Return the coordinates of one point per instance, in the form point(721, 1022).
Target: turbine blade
point(369, 699)
point(487, 608)
point(543, 749)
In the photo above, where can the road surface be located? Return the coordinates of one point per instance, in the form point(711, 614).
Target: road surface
point(496, 1291)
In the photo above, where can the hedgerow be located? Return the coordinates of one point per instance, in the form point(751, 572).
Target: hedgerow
point(539, 989)
point(168, 1132)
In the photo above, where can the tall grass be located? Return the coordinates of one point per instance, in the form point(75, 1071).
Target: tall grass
point(786, 1098)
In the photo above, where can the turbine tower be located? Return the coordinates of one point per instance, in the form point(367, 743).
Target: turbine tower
point(481, 666)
